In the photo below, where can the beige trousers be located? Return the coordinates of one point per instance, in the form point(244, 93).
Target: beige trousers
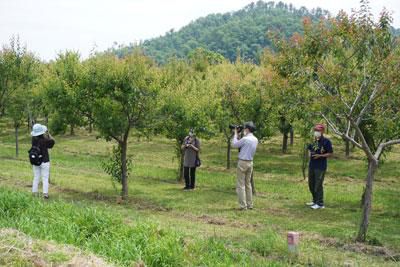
point(243, 184)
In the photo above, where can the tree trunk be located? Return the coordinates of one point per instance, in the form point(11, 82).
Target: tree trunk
point(347, 148)
point(228, 154)
point(285, 143)
point(16, 142)
point(366, 200)
point(72, 132)
point(90, 127)
point(29, 124)
point(291, 136)
point(124, 168)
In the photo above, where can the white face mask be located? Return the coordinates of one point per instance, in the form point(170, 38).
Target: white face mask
point(317, 134)
point(191, 134)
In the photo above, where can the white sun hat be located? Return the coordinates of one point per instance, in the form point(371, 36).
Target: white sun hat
point(38, 129)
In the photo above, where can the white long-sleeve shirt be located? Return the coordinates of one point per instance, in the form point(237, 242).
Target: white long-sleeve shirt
point(248, 145)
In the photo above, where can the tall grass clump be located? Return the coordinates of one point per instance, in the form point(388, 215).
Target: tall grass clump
point(268, 243)
point(91, 228)
point(104, 233)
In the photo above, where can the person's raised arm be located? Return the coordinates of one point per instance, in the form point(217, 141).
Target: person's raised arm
point(49, 140)
point(236, 143)
point(196, 146)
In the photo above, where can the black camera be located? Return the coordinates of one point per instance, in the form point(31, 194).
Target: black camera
point(188, 141)
point(238, 127)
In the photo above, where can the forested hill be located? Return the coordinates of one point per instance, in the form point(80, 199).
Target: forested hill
point(244, 30)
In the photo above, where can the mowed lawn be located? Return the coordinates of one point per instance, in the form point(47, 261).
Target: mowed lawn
point(211, 210)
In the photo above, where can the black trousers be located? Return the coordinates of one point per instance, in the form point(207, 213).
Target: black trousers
point(316, 185)
point(190, 177)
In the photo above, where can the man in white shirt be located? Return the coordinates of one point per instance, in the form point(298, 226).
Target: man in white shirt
point(247, 148)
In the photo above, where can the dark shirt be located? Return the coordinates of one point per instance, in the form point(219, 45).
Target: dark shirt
point(44, 143)
point(322, 146)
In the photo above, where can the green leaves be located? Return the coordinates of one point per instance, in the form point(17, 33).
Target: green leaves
point(112, 165)
point(17, 73)
point(62, 92)
point(124, 93)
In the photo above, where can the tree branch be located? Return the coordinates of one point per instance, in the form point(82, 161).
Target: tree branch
point(360, 94)
point(371, 98)
point(364, 144)
point(336, 131)
point(382, 146)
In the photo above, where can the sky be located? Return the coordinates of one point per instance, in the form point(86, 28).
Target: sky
point(47, 27)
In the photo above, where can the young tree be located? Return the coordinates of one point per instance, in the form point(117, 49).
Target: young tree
point(16, 70)
point(62, 92)
point(351, 67)
point(125, 93)
point(16, 110)
point(183, 105)
point(243, 94)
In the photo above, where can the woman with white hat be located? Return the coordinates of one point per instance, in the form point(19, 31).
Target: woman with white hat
point(42, 141)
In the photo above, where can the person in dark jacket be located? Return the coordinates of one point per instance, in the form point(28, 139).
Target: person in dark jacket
point(191, 148)
point(42, 139)
point(319, 151)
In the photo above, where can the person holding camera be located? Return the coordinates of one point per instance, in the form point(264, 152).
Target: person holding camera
point(247, 148)
point(42, 141)
point(319, 152)
point(191, 148)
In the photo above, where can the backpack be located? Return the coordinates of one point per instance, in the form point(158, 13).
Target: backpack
point(35, 156)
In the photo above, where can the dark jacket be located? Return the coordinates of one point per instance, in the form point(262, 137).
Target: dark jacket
point(44, 143)
point(322, 146)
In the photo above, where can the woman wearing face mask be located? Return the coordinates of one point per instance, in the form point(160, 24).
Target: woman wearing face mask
point(191, 148)
point(320, 150)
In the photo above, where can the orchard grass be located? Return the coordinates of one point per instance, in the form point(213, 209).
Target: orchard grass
point(204, 227)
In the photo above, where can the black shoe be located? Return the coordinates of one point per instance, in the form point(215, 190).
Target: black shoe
point(46, 196)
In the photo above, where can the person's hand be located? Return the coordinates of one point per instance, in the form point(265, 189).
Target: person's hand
point(317, 156)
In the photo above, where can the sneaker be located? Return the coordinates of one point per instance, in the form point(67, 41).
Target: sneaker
point(185, 189)
point(310, 203)
point(316, 207)
point(250, 208)
point(242, 208)
point(46, 196)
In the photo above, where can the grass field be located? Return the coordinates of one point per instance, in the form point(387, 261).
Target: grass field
point(203, 227)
